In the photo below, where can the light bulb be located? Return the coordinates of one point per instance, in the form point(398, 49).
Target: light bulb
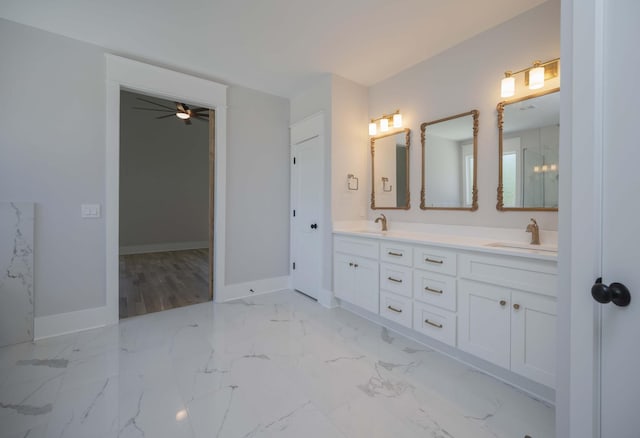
point(536, 76)
point(384, 125)
point(183, 116)
point(372, 128)
point(397, 120)
point(536, 169)
point(508, 85)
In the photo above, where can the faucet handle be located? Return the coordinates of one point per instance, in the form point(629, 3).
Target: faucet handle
point(534, 222)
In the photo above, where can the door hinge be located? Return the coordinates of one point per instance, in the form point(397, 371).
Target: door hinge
point(294, 266)
point(294, 160)
point(294, 213)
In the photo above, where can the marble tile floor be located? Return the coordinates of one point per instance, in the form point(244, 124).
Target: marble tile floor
point(276, 365)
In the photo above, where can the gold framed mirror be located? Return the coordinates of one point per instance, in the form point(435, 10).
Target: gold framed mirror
point(528, 143)
point(450, 163)
point(390, 171)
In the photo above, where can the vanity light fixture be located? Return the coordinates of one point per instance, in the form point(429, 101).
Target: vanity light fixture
point(386, 121)
point(534, 76)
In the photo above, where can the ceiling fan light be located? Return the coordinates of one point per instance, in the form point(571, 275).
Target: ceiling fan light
point(183, 116)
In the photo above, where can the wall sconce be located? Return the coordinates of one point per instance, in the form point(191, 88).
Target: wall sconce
point(534, 76)
point(352, 182)
point(394, 119)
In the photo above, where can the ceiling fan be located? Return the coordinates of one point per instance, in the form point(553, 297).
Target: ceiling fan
point(181, 111)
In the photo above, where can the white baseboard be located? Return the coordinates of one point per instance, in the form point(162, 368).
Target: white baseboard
point(243, 290)
point(71, 322)
point(162, 247)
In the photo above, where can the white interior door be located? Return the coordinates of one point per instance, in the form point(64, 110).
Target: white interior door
point(307, 184)
point(620, 355)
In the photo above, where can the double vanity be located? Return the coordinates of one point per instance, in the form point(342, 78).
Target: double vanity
point(491, 298)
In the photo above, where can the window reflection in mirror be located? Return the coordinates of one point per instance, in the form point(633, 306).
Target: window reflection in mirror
point(529, 146)
point(390, 171)
point(449, 163)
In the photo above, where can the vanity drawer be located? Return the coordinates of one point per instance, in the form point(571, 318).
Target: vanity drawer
point(396, 253)
point(436, 289)
point(396, 308)
point(396, 279)
point(538, 276)
point(356, 246)
point(436, 323)
point(435, 259)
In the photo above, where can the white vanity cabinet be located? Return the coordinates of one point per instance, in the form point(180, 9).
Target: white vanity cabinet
point(355, 272)
point(495, 306)
point(509, 317)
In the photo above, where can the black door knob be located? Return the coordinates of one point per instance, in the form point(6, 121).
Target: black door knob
point(314, 226)
point(616, 293)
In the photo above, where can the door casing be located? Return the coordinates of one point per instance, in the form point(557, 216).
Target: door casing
point(123, 73)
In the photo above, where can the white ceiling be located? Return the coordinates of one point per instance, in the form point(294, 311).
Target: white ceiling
point(277, 46)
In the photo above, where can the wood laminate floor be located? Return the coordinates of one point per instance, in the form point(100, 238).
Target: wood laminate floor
point(163, 280)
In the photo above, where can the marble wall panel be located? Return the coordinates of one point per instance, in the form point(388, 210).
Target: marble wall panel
point(16, 272)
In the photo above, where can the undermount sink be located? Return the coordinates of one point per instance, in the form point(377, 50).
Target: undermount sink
point(527, 246)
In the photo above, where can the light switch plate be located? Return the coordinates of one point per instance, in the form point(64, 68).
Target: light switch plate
point(90, 210)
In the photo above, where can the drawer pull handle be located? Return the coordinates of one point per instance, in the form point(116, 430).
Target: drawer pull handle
point(397, 254)
point(439, 262)
point(395, 280)
point(394, 309)
point(350, 264)
point(516, 306)
point(435, 291)
point(503, 303)
point(435, 324)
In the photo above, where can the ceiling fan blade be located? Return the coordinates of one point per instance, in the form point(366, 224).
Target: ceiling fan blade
point(164, 117)
point(181, 107)
point(155, 103)
point(151, 109)
point(199, 110)
point(202, 119)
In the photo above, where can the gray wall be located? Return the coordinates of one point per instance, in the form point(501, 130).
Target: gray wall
point(467, 77)
point(257, 186)
point(52, 152)
point(164, 176)
point(52, 149)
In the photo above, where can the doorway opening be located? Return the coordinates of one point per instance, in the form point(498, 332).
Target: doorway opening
point(165, 204)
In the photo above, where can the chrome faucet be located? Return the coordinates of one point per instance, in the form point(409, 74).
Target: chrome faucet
point(382, 218)
point(535, 232)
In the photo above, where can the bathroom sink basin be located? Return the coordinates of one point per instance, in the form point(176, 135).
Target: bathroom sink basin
point(526, 246)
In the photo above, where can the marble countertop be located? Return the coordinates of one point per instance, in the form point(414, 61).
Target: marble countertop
point(490, 245)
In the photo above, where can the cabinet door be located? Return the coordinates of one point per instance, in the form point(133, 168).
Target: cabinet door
point(366, 282)
point(533, 337)
point(484, 319)
point(344, 286)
